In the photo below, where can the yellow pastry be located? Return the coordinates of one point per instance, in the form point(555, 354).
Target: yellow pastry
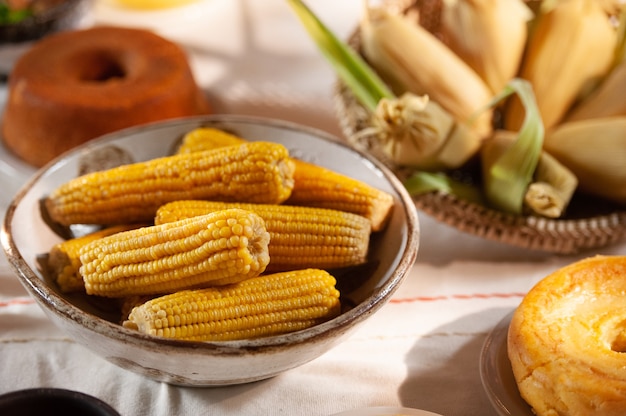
point(567, 340)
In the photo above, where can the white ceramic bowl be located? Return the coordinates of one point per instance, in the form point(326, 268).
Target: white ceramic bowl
point(26, 237)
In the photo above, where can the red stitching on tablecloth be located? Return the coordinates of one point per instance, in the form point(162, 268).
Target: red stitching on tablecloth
point(459, 297)
point(18, 301)
point(26, 301)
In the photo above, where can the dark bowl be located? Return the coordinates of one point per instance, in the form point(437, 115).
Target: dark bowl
point(38, 401)
point(64, 16)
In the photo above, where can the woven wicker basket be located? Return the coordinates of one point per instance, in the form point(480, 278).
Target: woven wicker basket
point(590, 223)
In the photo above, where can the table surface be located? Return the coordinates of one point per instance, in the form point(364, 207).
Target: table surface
point(421, 350)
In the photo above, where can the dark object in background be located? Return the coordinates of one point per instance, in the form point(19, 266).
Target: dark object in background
point(39, 401)
point(62, 16)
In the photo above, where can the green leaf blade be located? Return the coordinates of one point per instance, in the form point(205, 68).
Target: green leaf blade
point(423, 182)
point(364, 83)
point(510, 175)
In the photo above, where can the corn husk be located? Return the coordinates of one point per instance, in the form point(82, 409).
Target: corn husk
point(595, 150)
point(416, 132)
point(569, 51)
point(552, 186)
point(412, 59)
point(412, 130)
point(608, 99)
point(506, 178)
point(489, 35)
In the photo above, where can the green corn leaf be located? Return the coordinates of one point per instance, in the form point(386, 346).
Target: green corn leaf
point(508, 178)
point(424, 182)
point(364, 83)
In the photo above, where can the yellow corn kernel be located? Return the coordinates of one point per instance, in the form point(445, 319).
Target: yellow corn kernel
point(129, 302)
point(207, 138)
point(300, 237)
point(251, 172)
point(64, 262)
point(218, 248)
point(267, 305)
point(313, 185)
point(316, 186)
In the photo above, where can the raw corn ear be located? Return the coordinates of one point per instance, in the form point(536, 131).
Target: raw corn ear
point(607, 101)
point(218, 248)
point(414, 60)
point(571, 48)
point(595, 150)
point(316, 186)
point(267, 305)
point(251, 172)
point(552, 186)
point(64, 261)
point(489, 35)
point(417, 132)
point(506, 177)
point(300, 237)
point(413, 129)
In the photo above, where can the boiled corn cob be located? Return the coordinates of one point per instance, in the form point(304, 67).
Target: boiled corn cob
point(316, 186)
point(595, 150)
point(267, 305)
point(300, 237)
point(489, 35)
point(129, 302)
point(571, 48)
point(218, 248)
point(251, 172)
point(313, 185)
point(64, 261)
point(207, 138)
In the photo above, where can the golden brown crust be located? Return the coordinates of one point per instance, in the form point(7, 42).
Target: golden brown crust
point(74, 86)
point(566, 340)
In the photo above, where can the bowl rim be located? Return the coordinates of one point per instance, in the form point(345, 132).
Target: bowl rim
point(38, 289)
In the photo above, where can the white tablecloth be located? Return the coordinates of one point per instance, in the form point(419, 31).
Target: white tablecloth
point(421, 350)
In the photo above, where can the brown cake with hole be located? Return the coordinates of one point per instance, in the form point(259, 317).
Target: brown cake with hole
point(74, 86)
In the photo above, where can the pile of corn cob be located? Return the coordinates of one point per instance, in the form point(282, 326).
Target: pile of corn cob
point(442, 99)
point(226, 239)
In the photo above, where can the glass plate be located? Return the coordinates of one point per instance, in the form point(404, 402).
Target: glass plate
point(497, 376)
